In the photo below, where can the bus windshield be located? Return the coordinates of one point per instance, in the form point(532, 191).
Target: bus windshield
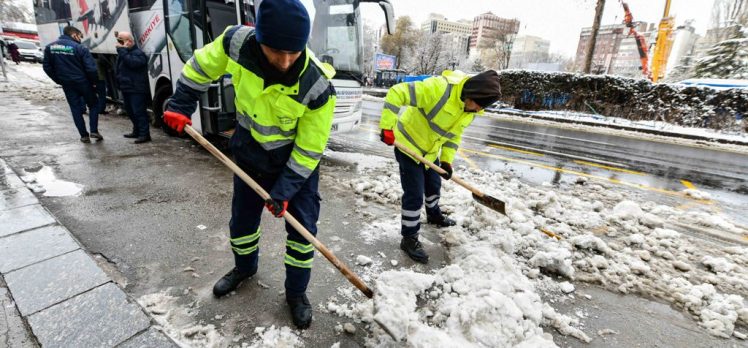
point(336, 35)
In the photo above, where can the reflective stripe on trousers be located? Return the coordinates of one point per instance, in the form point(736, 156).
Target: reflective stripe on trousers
point(246, 211)
point(417, 181)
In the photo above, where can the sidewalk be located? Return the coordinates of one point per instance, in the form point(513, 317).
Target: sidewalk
point(51, 286)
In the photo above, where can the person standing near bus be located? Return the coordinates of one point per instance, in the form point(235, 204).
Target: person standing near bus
point(132, 78)
point(285, 103)
point(70, 64)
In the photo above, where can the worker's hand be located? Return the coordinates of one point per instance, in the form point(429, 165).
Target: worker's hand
point(176, 121)
point(387, 136)
point(448, 169)
point(276, 207)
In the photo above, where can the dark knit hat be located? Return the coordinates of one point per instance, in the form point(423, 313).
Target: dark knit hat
point(283, 25)
point(484, 89)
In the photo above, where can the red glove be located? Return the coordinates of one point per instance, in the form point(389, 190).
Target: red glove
point(276, 207)
point(176, 121)
point(387, 136)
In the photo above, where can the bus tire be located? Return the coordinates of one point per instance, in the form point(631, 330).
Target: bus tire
point(160, 98)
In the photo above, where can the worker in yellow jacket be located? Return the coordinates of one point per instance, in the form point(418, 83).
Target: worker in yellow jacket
point(438, 110)
point(284, 105)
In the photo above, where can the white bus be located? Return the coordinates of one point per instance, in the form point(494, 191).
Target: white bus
point(168, 31)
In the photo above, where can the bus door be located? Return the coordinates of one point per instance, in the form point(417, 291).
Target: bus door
point(218, 102)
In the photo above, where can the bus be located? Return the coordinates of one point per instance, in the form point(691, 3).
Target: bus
point(168, 31)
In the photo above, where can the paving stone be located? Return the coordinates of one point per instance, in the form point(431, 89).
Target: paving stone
point(8, 178)
point(149, 339)
point(22, 249)
point(101, 317)
point(13, 332)
point(16, 197)
point(48, 282)
point(23, 218)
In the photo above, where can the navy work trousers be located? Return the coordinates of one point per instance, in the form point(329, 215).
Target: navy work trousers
point(135, 106)
point(246, 210)
point(418, 182)
point(101, 91)
point(74, 93)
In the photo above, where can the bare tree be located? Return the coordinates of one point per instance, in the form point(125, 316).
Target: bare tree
point(590, 52)
point(496, 49)
point(429, 56)
point(11, 12)
point(370, 37)
point(403, 40)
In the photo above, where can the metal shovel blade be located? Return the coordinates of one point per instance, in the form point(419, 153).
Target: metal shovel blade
point(491, 202)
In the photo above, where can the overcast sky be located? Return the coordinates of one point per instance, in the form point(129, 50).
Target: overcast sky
point(559, 21)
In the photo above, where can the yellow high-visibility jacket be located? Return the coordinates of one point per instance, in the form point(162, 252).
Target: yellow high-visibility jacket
point(434, 118)
point(284, 120)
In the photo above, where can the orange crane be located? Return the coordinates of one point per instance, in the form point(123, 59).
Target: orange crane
point(663, 44)
point(641, 42)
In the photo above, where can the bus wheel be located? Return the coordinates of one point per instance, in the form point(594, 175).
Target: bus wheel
point(160, 99)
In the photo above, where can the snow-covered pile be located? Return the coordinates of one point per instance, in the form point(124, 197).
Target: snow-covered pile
point(178, 322)
point(633, 99)
point(487, 295)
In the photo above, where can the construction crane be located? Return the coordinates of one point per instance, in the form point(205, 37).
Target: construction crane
point(663, 44)
point(641, 42)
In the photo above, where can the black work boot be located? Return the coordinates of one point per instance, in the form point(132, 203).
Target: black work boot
point(86, 139)
point(96, 136)
point(131, 135)
point(440, 221)
point(231, 281)
point(301, 310)
point(414, 249)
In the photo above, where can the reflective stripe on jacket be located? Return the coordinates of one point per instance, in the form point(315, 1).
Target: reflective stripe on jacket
point(277, 116)
point(434, 118)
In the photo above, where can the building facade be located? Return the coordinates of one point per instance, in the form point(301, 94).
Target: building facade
point(439, 24)
point(529, 49)
point(607, 46)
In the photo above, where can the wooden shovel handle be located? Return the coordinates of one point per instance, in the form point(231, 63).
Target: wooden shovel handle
point(352, 277)
point(438, 169)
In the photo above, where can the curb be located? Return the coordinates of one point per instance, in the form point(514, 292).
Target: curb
point(57, 288)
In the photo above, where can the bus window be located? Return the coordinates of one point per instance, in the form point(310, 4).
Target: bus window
point(179, 27)
point(221, 15)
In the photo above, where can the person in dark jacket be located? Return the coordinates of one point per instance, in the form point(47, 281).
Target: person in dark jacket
point(14, 54)
point(70, 64)
point(132, 77)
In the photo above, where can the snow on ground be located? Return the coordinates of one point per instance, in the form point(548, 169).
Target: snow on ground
point(489, 293)
point(178, 322)
point(31, 81)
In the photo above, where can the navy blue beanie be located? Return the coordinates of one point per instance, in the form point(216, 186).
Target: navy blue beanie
point(283, 25)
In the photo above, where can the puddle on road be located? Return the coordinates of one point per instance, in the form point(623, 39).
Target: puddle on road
point(44, 181)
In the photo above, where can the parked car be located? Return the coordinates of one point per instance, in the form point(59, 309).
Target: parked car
point(29, 51)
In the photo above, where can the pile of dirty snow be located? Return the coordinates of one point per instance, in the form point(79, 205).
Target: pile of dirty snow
point(488, 294)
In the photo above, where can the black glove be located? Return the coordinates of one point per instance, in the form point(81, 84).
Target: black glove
point(448, 169)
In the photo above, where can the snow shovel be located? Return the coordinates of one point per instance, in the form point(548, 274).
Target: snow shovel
point(482, 198)
point(352, 277)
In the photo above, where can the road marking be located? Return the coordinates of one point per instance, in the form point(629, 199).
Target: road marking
point(515, 150)
point(567, 171)
point(689, 185)
point(549, 152)
point(467, 159)
point(615, 169)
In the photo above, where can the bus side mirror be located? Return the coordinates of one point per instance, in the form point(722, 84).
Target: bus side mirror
point(389, 15)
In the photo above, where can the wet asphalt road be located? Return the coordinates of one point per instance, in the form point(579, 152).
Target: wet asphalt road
point(143, 208)
point(656, 170)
